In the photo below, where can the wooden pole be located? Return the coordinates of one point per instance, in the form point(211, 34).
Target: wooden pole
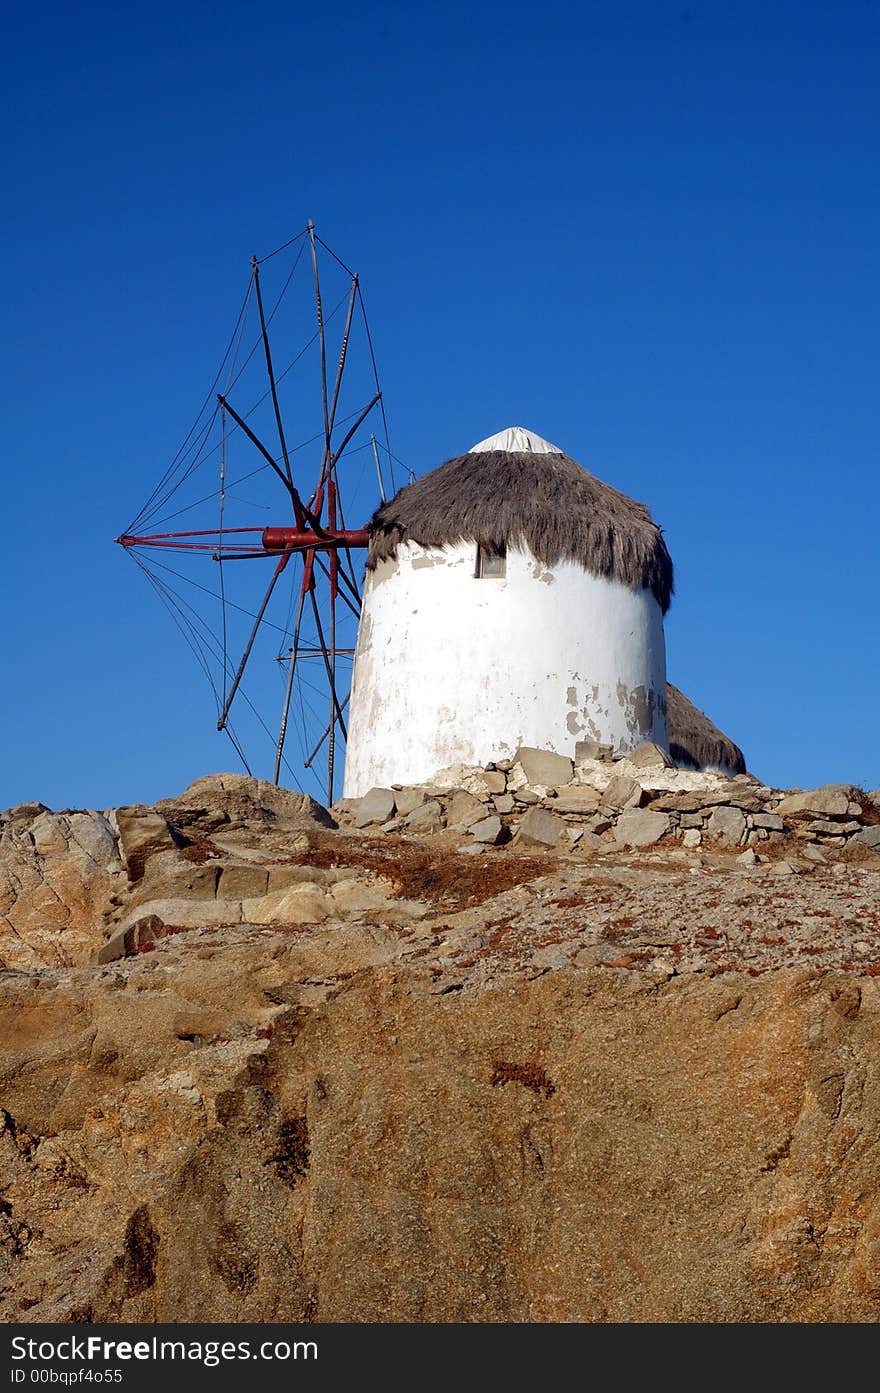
point(282, 562)
point(320, 313)
point(294, 653)
point(375, 446)
point(272, 387)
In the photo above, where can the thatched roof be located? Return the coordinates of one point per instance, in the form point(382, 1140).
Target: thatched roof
point(694, 740)
point(535, 498)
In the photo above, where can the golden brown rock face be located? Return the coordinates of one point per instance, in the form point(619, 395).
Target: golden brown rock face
point(498, 1088)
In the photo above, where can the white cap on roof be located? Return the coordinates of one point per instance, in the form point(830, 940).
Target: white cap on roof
point(516, 440)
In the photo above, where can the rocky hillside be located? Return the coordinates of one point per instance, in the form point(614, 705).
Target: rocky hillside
point(535, 1042)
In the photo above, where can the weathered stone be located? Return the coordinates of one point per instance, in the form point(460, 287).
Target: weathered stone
point(832, 800)
point(408, 799)
point(473, 850)
point(540, 828)
point(169, 876)
point(726, 825)
point(622, 792)
point(586, 750)
point(869, 837)
point(813, 853)
point(489, 831)
point(48, 835)
point(93, 834)
point(688, 804)
point(243, 882)
point(142, 833)
point(496, 782)
point(824, 828)
point(598, 824)
point(686, 819)
point(747, 859)
point(504, 803)
point(505, 765)
point(544, 767)
point(427, 818)
point(527, 797)
point(578, 799)
point(129, 939)
point(23, 812)
point(284, 877)
point(649, 756)
point(641, 827)
point(307, 903)
point(464, 809)
point(771, 821)
point(354, 897)
point(376, 806)
point(591, 840)
point(692, 838)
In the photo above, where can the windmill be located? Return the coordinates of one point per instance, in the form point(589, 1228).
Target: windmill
point(246, 439)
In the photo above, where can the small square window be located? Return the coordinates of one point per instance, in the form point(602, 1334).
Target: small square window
point(491, 562)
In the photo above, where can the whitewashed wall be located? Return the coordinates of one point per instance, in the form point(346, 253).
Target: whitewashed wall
point(451, 669)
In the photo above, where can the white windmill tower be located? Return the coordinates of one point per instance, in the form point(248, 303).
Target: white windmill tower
point(511, 599)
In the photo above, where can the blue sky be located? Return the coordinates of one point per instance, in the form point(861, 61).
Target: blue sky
point(647, 231)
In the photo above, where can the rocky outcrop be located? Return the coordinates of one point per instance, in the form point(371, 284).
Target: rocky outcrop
point(419, 1074)
point(59, 873)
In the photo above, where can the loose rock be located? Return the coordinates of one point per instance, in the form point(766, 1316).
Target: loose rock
point(641, 827)
point(376, 806)
point(544, 767)
point(540, 828)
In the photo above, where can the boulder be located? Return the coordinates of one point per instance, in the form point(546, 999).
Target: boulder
point(504, 803)
point(540, 828)
point(692, 838)
point(378, 805)
point(641, 827)
point(622, 792)
point(427, 818)
point(727, 826)
point(464, 809)
point(869, 837)
point(128, 940)
point(589, 839)
point(814, 854)
point(143, 833)
point(489, 831)
point(578, 799)
point(832, 800)
point(825, 828)
point(495, 780)
point(408, 799)
point(233, 799)
point(544, 767)
point(772, 822)
point(92, 833)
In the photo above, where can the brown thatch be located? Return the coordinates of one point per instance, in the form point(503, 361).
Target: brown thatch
point(543, 502)
point(693, 739)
